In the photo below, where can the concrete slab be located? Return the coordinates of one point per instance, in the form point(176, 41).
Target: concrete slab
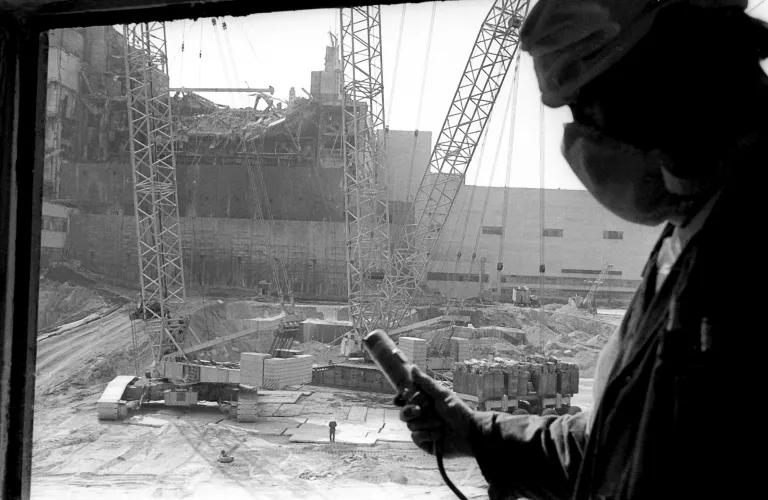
point(268, 410)
point(272, 427)
point(391, 415)
point(403, 436)
point(322, 437)
point(279, 398)
point(289, 410)
point(308, 427)
point(357, 414)
point(145, 421)
point(375, 416)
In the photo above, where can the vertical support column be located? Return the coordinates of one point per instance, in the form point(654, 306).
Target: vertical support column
point(365, 189)
point(153, 164)
point(23, 65)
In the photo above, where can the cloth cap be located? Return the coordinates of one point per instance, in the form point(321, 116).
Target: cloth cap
point(573, 41)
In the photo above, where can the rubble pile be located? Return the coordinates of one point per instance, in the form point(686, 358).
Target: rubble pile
point(554, 330)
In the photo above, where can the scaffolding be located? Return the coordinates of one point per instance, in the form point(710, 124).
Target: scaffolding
point(153, 165)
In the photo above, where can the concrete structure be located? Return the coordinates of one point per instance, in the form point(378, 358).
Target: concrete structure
point(284, 372)
point(53, 237)
point(252, 368)
point(460, 349)
point(300, 187)
point(362, 377)
point(415, 349)
point(580, 239)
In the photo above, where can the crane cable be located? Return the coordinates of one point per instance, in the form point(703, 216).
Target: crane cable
point(542, 268)
point(421, 99)
point(502, 239)
point(465, 225)
point(488, 192)
point(397, 61)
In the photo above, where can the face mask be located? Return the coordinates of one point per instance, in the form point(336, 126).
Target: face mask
point(626, 180)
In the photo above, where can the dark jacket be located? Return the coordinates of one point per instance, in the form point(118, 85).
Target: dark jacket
point(676, 418)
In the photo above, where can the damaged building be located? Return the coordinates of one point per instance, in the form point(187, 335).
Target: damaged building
point(267, 180)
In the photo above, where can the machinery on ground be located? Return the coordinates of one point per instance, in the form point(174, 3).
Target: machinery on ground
point(161, 307)
point(588, 301)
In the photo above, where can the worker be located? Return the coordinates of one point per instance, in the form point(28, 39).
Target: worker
point(332, 431)
point(670, 125)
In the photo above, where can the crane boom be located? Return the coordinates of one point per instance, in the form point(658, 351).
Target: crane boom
point(365, 188)
point(495, 48)
point(153, 164)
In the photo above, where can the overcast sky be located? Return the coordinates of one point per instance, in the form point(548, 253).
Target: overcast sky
point(281, 49)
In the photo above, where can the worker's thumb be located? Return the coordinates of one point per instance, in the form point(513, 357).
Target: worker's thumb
point(427, 384)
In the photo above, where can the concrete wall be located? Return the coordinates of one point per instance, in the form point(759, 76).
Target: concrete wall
point(582, 246)
point(234, 252)
point(221, 252)
point(223, 189)
point(359, 377)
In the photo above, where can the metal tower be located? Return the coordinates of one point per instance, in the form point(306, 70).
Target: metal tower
point(154, 175)
point(494, 50)
point(365, 187)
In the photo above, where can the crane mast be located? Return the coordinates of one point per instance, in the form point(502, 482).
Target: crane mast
point(494, 50)
point(153, 164)
point(365, 188)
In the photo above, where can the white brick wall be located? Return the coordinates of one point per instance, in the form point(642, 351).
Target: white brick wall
point(252, 368)
point(282, 372)
point(415, 350)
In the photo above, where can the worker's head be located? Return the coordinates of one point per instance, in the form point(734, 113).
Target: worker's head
point(662, 93)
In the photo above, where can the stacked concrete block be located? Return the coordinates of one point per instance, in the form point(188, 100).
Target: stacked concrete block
point(415, 350)
point(247, 405)
point(252, 368)
point(282, 372)
point(460, 349)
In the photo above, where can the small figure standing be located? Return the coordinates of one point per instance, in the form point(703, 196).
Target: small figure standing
point(332, 431)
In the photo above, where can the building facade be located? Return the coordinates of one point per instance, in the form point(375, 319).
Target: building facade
point(267, 181)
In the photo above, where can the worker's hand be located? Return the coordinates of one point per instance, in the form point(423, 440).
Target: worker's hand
point(437, 414)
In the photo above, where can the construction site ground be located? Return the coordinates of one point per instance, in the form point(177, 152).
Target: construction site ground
point(172, 453)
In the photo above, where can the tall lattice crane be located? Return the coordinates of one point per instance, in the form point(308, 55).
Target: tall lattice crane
point(365, 187)
point(153, 164)
point(495, 48)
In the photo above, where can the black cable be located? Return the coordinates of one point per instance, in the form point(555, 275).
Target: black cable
point(437, 449)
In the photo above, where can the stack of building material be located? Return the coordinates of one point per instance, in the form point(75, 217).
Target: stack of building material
point(252, 368)
point(460, 349)
point(568, 378)
point(282, 372)
point(491, 379)
point(287, 353)
point(362, 377)
point(247, 408)
point(415, 350)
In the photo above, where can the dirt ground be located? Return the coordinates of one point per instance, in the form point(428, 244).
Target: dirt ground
point(171, 453)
